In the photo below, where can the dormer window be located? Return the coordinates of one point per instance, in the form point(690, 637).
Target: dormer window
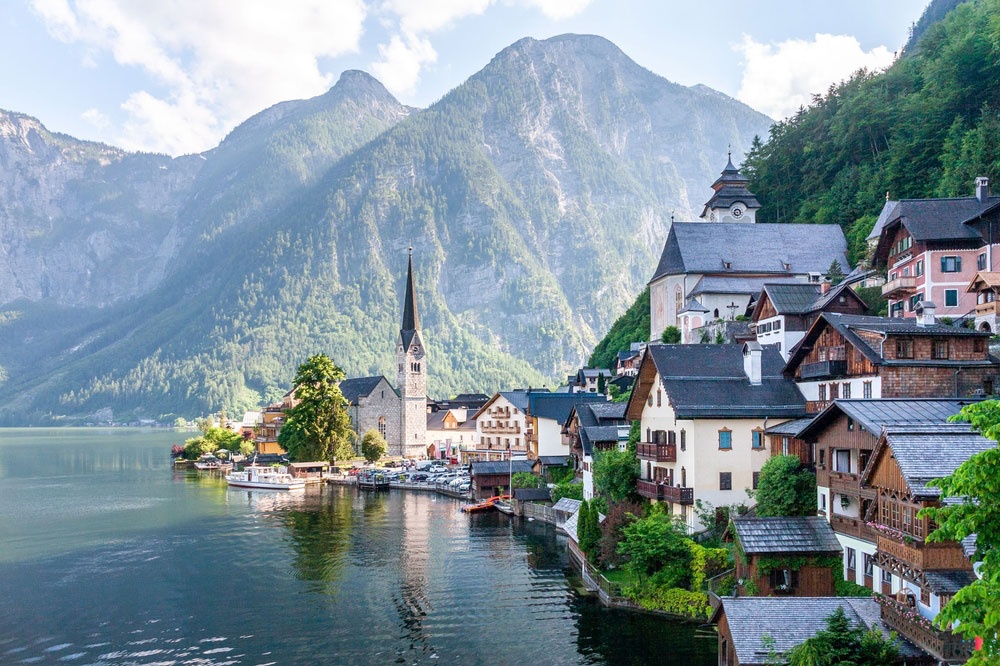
point(728, 265)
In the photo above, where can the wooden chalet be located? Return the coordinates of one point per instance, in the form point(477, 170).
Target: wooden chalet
point(919, 577)
point(785, 311)
point(753, 631)
point(491, 478)
point(986, 286)
point(841, 440)
point(850, 357)
point(592, 427)
point(784, 440)
point(795, 556)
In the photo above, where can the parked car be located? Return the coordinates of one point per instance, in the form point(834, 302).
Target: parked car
point(464, 487)
point(419, 476)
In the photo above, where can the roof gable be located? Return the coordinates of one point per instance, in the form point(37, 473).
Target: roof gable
point(786, 534)
point(361, 387)
point(873, 415)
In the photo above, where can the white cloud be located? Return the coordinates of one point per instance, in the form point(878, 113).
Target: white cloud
point(96, 118)
point(432, 15)
point(211, 64)
point(402, 59)
point(779, 78)
point(559, 9)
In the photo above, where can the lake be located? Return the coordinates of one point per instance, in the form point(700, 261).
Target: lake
point(109, 556)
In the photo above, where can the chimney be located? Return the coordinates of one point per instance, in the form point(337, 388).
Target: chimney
point(752, 352)
point(824, 288)
point(983, 189)
point(925, 313)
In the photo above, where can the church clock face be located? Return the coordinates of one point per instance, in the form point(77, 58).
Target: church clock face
point(737, 212)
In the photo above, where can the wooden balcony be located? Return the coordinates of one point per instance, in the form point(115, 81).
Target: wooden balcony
point(822, 369)
point(657, 452)
point(943, 645)
point(991, 308)
point(899, 287)
point(678, 495)
point(854, 527)
point(649, 489)
point(844, 483)
point(924, 556)
point(501, 430)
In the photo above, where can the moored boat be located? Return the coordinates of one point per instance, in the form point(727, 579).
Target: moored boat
point(504, 506)
point(273, 478)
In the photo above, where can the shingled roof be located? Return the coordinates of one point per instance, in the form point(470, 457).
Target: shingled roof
point(494, 467)
point(775, 249)
point(927, 452)
point(708, 381)
point(786, 534)
point(791, 621)
point(557, 406)
point(359, 387)
point(931, 220)
point(873, 415)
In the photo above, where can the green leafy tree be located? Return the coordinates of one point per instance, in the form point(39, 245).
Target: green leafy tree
point(785, 488)
point(180, 422)
point(657, 545)
point(975, 609)
point(211, 440)
point(671, 335)
point(588, 530)
point(373, 446)
point(615, 473)
point(318, 427)
point(841, 644)
point(526, 480)
point(567, 489)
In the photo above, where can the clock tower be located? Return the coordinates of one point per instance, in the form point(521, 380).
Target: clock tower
point(411, 375)
point(732, 201)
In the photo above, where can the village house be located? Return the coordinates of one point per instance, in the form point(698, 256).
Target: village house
point(842, 439)
point(711, 269)
point(547, 413)
point(795, 556)
point(449, 432)
point(703, 411)
point(986, 287)
point(930, 249)
point(501, 428)
point(759, 631)
point(592, 427)
point(627, 362)
point(852, 356)
point(784, 311)
point(271, 419)
point(917, 575)
point(491, 478)
point(589, 380)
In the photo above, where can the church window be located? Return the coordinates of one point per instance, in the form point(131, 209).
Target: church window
point(381, 426)
point(678, 300)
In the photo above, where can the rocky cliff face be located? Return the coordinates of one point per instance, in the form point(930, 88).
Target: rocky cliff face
point(536, 196)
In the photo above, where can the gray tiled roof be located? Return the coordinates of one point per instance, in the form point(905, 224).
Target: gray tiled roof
point(359, 387)
point(933, 219)
point(948, 582)
point(928, 452)
point(791, 298)
point(873, 415)
point(491, 467)
point(787, 534)
point(708, 381)
point(791, 428)
point(700, 247)
point(553, 461)
point(736, 285)
point(790, 621)
point(557, 406)
point(532, 494)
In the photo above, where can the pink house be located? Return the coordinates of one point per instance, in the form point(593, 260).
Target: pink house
point(931, 249)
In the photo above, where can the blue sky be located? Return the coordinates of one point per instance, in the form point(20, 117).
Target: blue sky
point(175, 76)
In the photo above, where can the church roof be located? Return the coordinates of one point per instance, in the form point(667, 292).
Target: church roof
point(411, 318)
point(734, 248)
point(731, 187)
point(360, 387)
point(711, 284)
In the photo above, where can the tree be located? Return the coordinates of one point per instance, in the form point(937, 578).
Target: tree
point(785, 488)
point(526, 480)
point(373, 446)
point(671, 335)
point(602, 386)
point(974, 611)
point(180, 422)
point(588, 529)
point(211, 440)
point(657, 545)
point(842, 643)
point(318, 427)
point(835, 273)
point(615, 473)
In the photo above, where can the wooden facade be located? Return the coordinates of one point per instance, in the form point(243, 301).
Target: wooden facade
point(804, 581)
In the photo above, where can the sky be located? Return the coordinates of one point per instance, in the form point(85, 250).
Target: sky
point(175, 76)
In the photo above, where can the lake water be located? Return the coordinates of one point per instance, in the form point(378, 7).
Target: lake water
point(109, 556)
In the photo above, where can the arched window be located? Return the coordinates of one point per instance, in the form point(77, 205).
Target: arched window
point(678, 300)
point(381, 426)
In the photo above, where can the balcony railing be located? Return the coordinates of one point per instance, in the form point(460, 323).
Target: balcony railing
point(991, 308)
point(501, 430)
point(854, 527)
point(899, 286)
point(657, 452)
point(923, 556)
point(823, 369)
point(907, 621)
point(678, 495)
point(845, 483)
point(650, 489)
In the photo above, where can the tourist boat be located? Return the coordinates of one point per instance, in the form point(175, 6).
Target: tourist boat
point(273, 478)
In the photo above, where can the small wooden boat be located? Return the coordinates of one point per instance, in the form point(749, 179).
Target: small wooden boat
point(486, 504)
point(504, 506)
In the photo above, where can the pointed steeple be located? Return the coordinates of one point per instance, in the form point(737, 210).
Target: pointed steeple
point(411, 320)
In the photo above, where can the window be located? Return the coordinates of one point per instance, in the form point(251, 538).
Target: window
point(822, 502)
point(845, 391)
point(381, 426)
point(842, 462)
point(925, 596)
point(852, 560)
point(834, 391)
point(920, 268)
point(684, 440)
point(822, 392)
point(939, 349)
point(981, 262)
point(866, 391)
point(659, 397)
point(896, 309)
point(725, 480)
point(784, 446)
point(951, 298)
point(916, 298)
point(757, 439)
point(951, 264)
point(850, 423)
point(886, 576)
point(978, 345)
point(904, 348)
point(869, 561)
point(725, 439)
point(756, 479)
point(822, 457)
point(777, 325)
point(783, 580)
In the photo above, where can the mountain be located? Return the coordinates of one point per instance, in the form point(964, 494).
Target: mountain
point(535, 196)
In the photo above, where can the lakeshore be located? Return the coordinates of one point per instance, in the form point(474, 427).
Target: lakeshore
point(109, 556)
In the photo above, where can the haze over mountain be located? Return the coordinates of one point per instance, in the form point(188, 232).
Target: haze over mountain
point(536, 197)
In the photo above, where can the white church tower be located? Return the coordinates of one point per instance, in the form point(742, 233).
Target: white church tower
point(411, 375)
point(732, 201)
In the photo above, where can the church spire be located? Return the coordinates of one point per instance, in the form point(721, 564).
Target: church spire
point(411, 320)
